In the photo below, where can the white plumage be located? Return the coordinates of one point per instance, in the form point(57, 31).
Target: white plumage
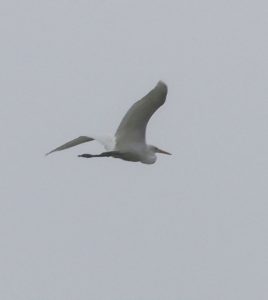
point(129, 142)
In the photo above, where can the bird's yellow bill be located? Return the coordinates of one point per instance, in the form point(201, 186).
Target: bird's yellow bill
point(163, 152)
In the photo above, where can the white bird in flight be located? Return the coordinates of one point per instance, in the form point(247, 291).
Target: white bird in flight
point(129, 142)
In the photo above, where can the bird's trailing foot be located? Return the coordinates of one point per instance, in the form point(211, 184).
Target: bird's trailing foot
point(115, 154)
point(86, 155)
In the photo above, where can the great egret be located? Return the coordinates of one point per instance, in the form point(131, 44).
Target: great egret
point(129, 140)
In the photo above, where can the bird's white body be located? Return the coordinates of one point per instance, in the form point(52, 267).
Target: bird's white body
point(129, 142)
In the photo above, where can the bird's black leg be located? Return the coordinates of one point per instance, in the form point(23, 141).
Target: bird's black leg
point(104, 154)
point(86, 155)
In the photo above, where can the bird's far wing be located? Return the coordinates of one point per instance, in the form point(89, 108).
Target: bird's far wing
point(132, 128)
point(72, 143)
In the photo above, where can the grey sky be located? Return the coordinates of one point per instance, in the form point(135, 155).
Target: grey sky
point(193, 226)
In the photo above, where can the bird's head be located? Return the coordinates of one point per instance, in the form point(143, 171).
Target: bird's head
point(157, 150)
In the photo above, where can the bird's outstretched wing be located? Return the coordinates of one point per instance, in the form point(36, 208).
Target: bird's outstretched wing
point(132, 128)
point(72, 143)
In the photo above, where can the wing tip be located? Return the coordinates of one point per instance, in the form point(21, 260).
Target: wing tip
point(162, 88)
point(162, 84)
point(49, 153)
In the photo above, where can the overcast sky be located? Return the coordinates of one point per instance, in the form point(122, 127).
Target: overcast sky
point(194, 225)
